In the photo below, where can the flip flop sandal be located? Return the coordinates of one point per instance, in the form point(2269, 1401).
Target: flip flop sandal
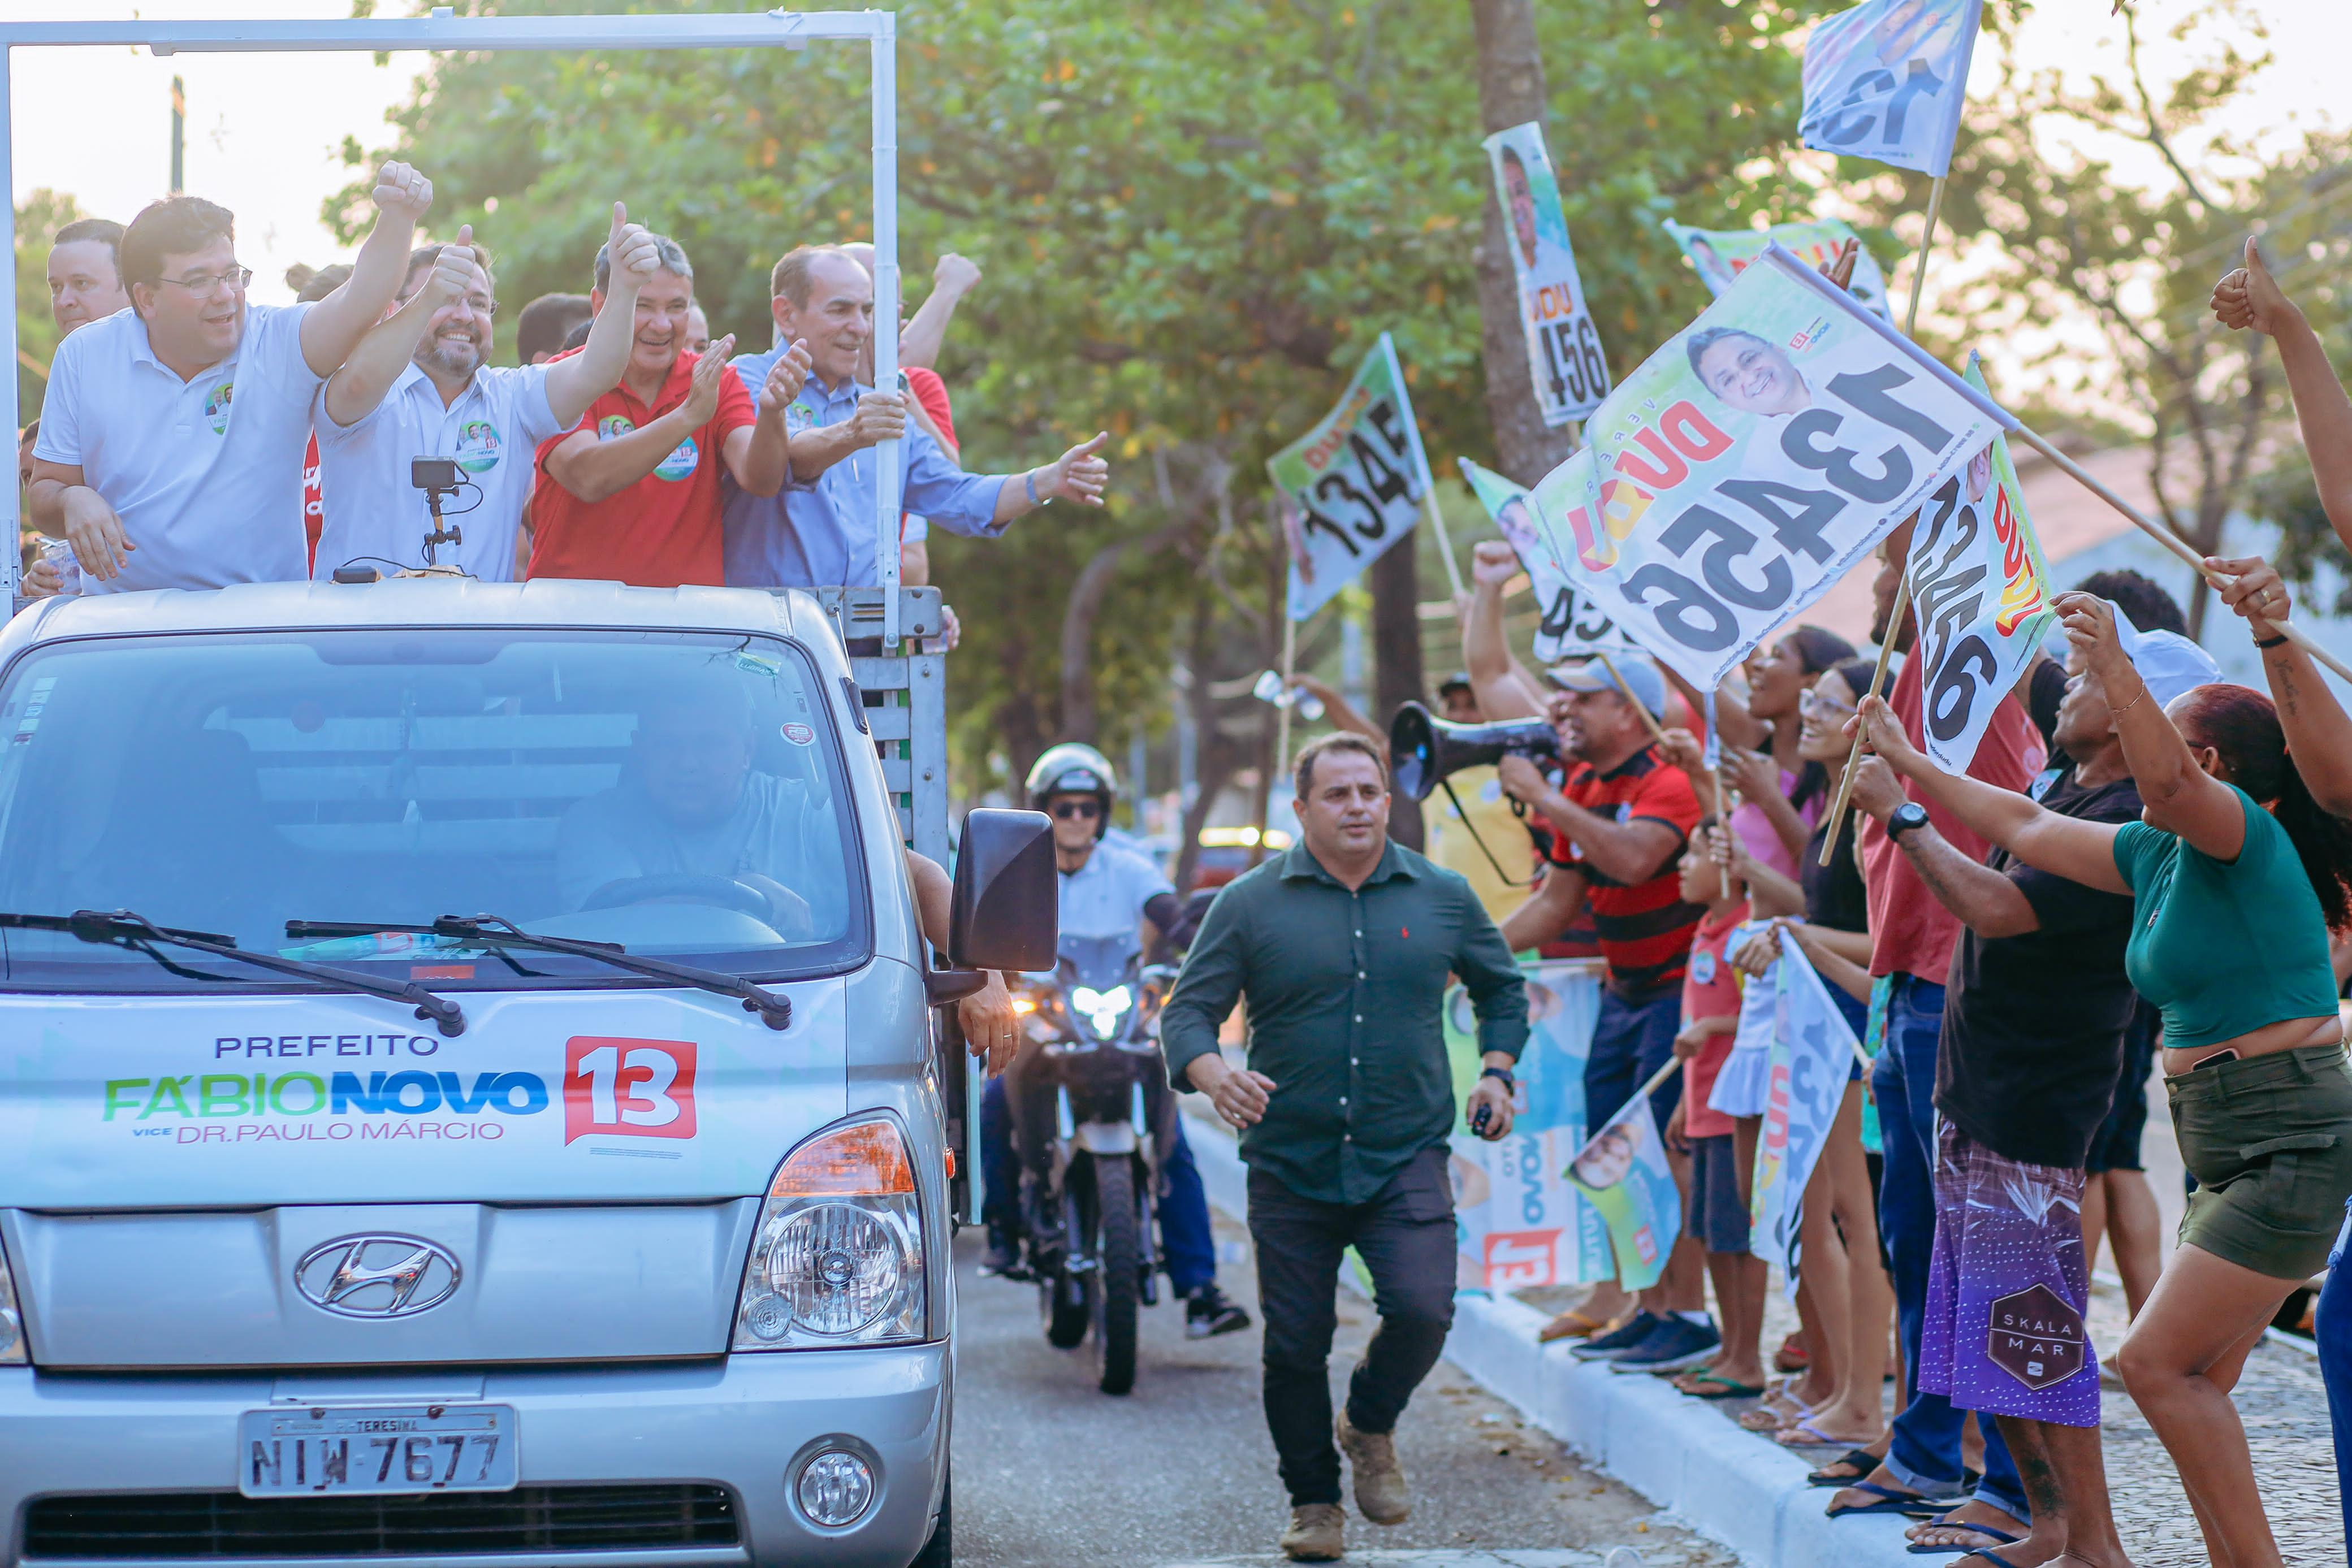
point(1999, 1537)
point(1766, 1420)
point(1790, 1355)
point(1890, 1500)
point(1861, 1460)
point(1570, 1324)
point(1802, 1434)
point(1714, 1385)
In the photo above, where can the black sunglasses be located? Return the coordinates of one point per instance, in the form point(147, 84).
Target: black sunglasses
point(1069, 809)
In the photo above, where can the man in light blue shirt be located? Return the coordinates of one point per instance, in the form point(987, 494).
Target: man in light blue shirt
point(821, 529)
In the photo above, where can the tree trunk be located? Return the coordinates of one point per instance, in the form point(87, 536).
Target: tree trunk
point(1510, 92)
point(1396, 661)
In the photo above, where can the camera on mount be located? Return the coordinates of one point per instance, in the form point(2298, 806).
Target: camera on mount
point(439, 479)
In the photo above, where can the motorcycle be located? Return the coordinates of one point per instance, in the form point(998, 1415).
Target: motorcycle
point(1096, 1091)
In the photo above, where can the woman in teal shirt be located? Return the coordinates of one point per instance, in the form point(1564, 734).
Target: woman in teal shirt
point(2232, 905)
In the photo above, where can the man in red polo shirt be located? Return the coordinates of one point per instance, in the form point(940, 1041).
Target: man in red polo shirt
point(633, 492)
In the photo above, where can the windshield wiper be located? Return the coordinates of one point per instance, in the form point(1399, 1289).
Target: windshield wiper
point(497, 931)
point(123, 928)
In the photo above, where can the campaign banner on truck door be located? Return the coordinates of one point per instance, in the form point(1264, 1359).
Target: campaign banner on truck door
point(1352, 486)
point(1518, 1222)
point(1752, 460)
point(1887, 80)
point(1572, 374)
point(1719, 256)
point(1570, 626)
point(1981, 593)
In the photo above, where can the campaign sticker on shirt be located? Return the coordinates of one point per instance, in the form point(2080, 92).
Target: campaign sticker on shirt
point(1702, 968)
point(1625, 812)
point(216, 407)
point(614, 426)
point(679, 464)
point(798, 734)
point(798, 416)
point(477, 447)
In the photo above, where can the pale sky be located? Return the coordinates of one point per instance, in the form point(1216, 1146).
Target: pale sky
point(263, 130)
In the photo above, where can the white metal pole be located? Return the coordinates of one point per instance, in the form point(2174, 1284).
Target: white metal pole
point(8, 574)
point(888, 454)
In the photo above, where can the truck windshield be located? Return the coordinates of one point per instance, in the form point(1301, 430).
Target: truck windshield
point(678, 793)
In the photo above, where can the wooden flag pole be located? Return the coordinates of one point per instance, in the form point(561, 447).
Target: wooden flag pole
point(1723, 809)
point(1919, 267)
point(1445, 543)
point(1673, 1066)
point(1877, 679)
point(2172, 542)
point(1289, 700)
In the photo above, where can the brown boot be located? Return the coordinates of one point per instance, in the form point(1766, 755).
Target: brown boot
point(1381, 1494)
point(1317, 1534)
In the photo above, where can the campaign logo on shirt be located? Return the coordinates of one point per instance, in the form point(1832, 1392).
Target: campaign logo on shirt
point(477, 447)
point(798, 416)
point(679, 464)
point(1702, 968)
point(614, 426)
point(216, 407)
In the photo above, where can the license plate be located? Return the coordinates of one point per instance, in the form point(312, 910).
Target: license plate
point(320, 1450)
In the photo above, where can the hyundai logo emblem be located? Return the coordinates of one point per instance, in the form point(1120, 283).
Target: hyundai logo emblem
point(383, 1275)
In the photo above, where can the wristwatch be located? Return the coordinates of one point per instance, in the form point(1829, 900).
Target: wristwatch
point(1908, 816)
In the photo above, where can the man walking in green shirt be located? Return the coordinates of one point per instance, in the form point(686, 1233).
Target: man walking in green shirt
point(1342, 946)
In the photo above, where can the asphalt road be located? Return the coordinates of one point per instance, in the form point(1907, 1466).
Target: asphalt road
point(1052, 1473)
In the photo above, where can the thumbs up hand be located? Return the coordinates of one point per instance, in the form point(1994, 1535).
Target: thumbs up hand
point(2249, 297)
point(632, 253)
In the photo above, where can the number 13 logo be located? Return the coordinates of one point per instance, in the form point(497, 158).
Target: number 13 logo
point(628, 1088)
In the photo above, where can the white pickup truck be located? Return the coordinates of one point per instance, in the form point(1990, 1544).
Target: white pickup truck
point(472, 1084)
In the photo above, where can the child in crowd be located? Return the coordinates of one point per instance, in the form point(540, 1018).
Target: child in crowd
point(1716, 1196)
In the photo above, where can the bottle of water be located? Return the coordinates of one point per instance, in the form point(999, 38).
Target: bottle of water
point(60, 554)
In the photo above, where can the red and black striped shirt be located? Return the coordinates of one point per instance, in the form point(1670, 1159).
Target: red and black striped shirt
point(1645, 928)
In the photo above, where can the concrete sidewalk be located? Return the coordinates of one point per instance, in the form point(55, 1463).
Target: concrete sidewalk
point(1691, 1458)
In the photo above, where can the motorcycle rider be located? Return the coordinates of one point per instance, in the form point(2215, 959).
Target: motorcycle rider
point(1106, 890)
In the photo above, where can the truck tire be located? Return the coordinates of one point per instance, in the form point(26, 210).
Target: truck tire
point(1118, 1278)
point(938, 1552)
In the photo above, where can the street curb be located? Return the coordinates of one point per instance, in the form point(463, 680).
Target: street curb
point(1729, 1485)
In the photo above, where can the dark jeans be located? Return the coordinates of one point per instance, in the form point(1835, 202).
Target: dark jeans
point(2333, 1332)
point(1405, 1235)
point(1926, 1453)
point(1187, 1245)
point(1632, 1038)
point(999, 1173)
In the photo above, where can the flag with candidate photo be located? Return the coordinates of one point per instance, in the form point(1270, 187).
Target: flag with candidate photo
point(1621, 1171)
point(1351, 487)
point(1752, 460)
point(1812, 1048)
point(1887, 80)
point(1572, 375)
point(1980, 591)
point(1569, 626)
point(1719, 256)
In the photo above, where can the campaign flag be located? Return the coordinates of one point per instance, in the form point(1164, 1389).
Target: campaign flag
point(1351, 487)
point(1981, 593)
point(1886, 80)
point(1518, 1222)
point(1736, 476)
point(1572, 626)
point(1719, 256)
point(1621, 1171)
point(1813, 1045)
point(1572, 375)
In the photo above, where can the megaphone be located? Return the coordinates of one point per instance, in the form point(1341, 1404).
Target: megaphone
point(1424, 748)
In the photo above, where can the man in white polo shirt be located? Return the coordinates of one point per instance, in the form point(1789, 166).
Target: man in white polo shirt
point(172, 434)
point(418, 388)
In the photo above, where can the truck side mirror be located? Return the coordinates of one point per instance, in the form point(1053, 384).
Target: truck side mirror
point(1006, 913)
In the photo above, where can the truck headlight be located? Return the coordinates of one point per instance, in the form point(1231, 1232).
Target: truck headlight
point(837, 1258)
point(12, 1322)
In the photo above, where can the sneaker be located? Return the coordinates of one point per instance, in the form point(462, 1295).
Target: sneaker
point(1210, 1313)
point(1674, 1344)
point(1381, 1494)
point(1317, 1534)
point(1003, 1258)
point(1617, 1340)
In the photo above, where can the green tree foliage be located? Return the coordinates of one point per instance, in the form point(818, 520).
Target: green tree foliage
point(1193, 220)
point(39, 218)
point(2066, 238)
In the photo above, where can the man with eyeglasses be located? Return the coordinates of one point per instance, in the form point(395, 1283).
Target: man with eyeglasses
point(418, 387)
point(172, 434)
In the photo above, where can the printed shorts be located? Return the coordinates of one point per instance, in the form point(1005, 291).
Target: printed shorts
point(2007, 1284)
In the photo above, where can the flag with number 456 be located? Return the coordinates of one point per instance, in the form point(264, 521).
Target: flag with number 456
point(1564, 354)
point(1351, 487)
